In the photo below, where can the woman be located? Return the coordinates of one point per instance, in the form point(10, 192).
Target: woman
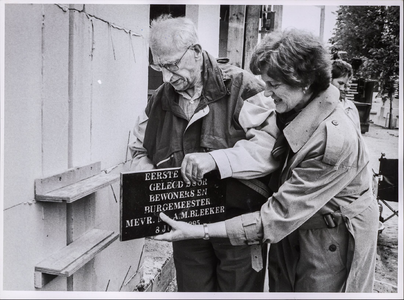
point(341, 75)
point(322, 221)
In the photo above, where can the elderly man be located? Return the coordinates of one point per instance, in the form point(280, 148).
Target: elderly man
point(208, 115)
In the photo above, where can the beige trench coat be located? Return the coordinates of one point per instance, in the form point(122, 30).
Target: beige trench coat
point(328, 173)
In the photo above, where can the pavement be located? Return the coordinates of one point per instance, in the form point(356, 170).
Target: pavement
point(380, 139)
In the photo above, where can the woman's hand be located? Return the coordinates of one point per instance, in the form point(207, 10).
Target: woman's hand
point(179, 230)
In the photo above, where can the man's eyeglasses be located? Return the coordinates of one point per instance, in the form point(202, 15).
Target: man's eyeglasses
point(172, 67)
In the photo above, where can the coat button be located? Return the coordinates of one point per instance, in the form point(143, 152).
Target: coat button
point(332, 248)
point(334, 122)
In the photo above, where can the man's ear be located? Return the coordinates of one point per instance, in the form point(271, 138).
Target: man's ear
point(197, 48)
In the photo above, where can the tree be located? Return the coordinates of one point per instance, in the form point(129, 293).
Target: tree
point(371, 34)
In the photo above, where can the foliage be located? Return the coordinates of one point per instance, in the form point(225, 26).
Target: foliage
point(370, 33)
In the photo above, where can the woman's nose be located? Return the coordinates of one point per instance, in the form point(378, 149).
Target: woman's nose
point(268, 92)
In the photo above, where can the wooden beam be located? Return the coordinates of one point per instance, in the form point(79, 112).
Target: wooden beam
point(41, 279)
point(251, 33)
point(278, 9)
point(223, 30)
point(235, 42)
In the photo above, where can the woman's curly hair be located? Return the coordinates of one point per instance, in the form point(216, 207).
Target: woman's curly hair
point(295, 57)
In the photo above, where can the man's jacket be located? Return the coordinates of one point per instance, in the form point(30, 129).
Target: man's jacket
point(231, 109)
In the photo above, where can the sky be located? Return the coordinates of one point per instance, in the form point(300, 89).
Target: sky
point(308, 17)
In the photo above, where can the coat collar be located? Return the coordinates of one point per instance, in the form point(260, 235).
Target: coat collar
point(213, 80)
point(307, 121)
point(214, 87)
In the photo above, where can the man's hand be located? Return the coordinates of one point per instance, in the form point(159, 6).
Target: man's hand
point(196, 165)
point(179, 231)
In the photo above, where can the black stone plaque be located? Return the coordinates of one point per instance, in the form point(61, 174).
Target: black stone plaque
point(145, 194)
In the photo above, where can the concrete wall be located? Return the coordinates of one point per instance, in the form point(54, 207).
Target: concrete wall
point(75, 79)
point(70, 100)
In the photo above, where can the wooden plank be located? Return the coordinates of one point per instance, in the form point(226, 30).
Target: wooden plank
point(57, 262)
point(235, 43)
point(79, 189)
point(251, 33)
point(75, 255)
point(71, 269)
point(45, 185)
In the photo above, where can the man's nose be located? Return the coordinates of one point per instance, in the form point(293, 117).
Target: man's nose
point(166, 75)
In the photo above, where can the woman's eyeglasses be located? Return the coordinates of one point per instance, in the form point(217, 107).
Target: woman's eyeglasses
point(172, 67)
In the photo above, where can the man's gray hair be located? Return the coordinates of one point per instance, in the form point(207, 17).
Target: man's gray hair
point(167, 32)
